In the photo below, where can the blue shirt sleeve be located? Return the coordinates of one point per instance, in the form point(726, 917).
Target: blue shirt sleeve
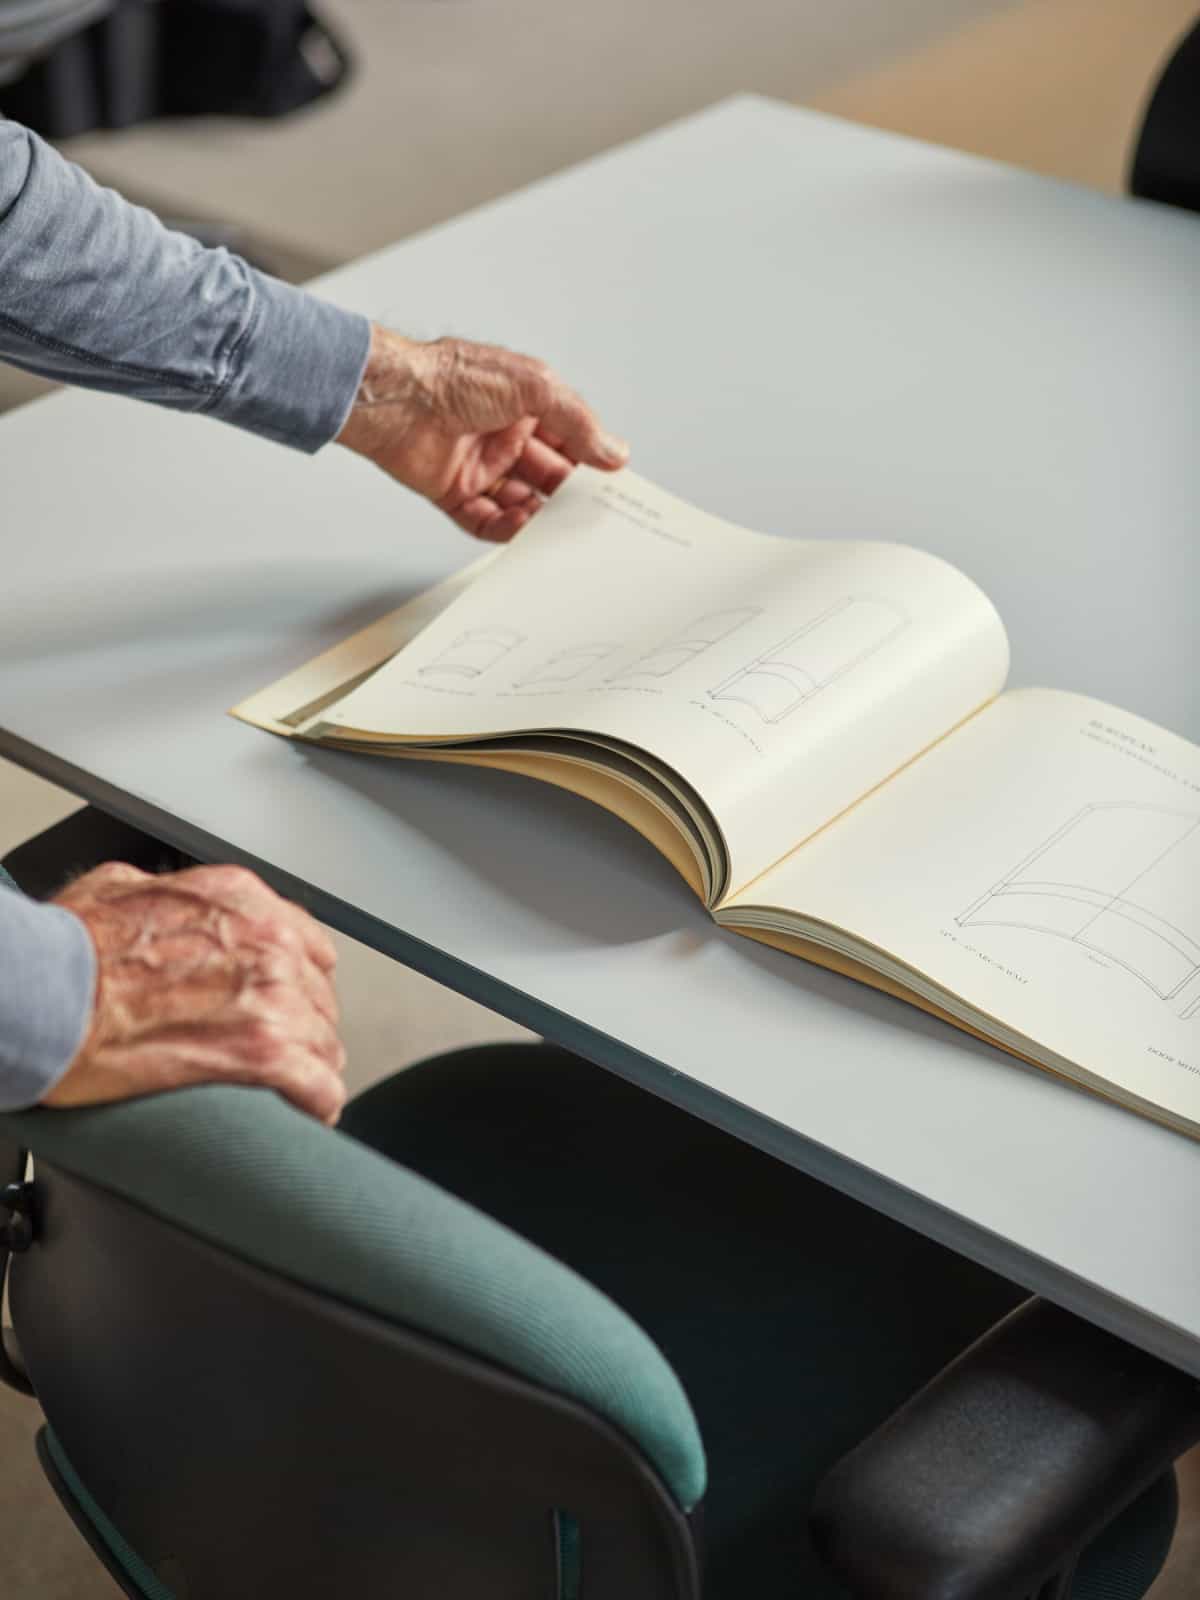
point(47, 985)
point(96, 291)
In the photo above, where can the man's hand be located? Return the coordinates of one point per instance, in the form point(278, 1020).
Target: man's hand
point(482, 432)
point(204, 975)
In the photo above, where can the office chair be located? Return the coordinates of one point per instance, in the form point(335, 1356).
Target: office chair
point(1166, 159)
point(73, 66)
point(519, 1329)
point(30, 29)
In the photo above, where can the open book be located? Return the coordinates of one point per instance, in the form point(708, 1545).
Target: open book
point(814, 734)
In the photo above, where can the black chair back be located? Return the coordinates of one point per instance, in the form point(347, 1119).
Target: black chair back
point(248, 1436)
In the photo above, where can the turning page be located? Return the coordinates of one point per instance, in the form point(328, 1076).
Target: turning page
point(781, 679)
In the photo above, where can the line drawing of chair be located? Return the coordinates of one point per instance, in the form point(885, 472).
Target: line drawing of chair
point(1107, 880)
point(567, 664)
point(691, 641)
point(473, 652)
point(832, 644)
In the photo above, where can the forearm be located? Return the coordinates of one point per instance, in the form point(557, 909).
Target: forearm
point(95, 291)
point(47, 983)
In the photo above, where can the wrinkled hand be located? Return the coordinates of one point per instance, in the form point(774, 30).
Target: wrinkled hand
point(203, 975)
point(484, 433)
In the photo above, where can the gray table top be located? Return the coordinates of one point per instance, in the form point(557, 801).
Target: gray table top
point(807, 327)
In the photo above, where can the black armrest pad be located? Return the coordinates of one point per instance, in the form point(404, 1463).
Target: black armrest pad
point(997, 1473)
point(81, 841)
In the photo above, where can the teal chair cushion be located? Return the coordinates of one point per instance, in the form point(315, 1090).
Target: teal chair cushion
point(242, 1169)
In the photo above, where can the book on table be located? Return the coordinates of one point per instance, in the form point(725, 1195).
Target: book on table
point(815, 734)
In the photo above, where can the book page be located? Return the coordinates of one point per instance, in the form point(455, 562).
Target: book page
point(294, 700)
point(1043, 864)
point(780, 678)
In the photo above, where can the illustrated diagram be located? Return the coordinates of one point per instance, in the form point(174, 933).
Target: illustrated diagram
point(683, 647)
point(472, 653)
point(566, 665)
point(776, 683)
point(1114, 878)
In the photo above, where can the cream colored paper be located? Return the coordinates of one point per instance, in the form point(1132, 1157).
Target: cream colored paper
point(780, 678)
point(1041, 867)
point(296, 700)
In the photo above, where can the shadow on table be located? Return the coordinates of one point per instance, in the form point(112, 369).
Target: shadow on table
point(538, 847)
point(496, 823)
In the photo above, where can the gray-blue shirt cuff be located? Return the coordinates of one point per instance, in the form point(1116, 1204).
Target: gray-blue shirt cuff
point(97, 292)
point(47, 984)
point(298, 368)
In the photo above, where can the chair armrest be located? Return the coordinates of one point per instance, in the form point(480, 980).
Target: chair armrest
point(81, 841)
point(994, 1477)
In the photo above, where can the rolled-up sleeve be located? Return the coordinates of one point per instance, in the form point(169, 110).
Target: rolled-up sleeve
point(96, 291)
point(47, 984)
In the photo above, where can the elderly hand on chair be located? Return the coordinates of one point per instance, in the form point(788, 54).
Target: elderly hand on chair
point(482, 432)
point(203, 976)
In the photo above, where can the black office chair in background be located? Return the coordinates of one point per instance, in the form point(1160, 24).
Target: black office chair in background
point(1166, 158)
point(519, 1329)
point(70, 66)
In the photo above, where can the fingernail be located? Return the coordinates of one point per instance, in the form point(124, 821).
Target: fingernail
point(613, 449)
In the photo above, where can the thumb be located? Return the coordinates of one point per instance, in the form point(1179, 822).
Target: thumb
point(607, 452)
point(568, 423)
